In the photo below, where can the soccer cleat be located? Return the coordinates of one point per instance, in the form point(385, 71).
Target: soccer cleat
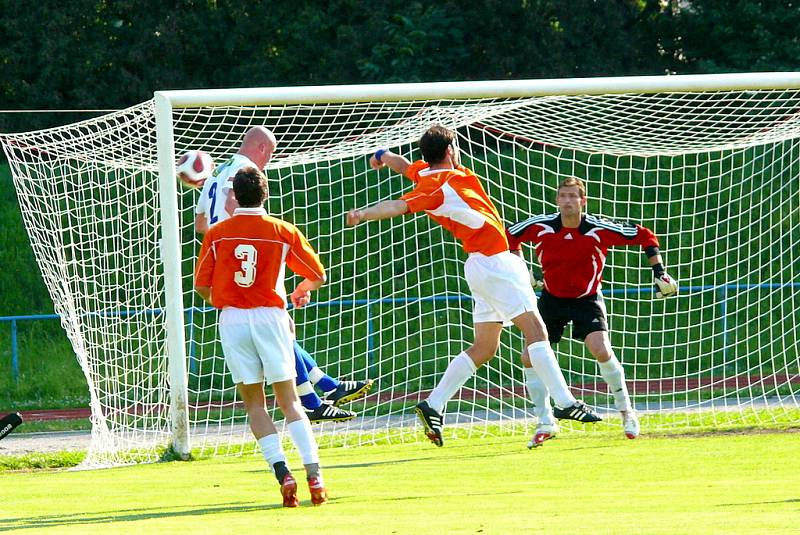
point(543, 432)
point(327, 412)
point(579, 411)
point(348, 391)
point(432, 421)
point(289, 491)
point(318, 493)
point(630, 424)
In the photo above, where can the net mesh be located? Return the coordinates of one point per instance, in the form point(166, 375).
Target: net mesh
point(714, 175)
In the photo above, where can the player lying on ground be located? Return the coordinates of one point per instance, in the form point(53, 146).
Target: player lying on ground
point(335, 393)
point(8, 423)
point(217, 204)
point(453, 197)
point(572, 248)
point(239, 271)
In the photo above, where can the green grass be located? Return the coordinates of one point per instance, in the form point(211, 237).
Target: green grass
point(36, 461)
point(653, 424)
point(49, 373)
point(601, 483)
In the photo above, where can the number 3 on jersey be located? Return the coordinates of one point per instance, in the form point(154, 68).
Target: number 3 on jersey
point(249, 257)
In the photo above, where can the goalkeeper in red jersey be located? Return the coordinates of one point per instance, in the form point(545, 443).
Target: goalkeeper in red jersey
point(572, 247)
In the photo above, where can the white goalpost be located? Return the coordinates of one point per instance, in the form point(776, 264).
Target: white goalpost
point(711, 163)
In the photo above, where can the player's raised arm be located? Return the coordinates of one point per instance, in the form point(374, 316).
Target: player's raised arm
point(386, 158)
point(382, 210)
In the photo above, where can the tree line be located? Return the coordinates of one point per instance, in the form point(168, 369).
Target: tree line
point(110, 54)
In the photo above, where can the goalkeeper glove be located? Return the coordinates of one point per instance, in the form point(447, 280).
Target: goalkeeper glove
point(665, 285)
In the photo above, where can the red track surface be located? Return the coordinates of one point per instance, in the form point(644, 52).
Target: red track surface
point(653, 387)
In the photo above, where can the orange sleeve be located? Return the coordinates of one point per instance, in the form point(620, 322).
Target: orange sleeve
point(424, 197)
point(302, 259)
point(206, 260)
point(412, 171)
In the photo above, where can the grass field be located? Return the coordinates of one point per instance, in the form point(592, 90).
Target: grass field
point(599, 483)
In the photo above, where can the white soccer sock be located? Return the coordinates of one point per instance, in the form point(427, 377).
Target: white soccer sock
point(304, 389)
point(458, 371)
point(540, 397)
point(304, 441)
point(614, 375)
point(271, 449)
point(543, 360)
point(315, 375)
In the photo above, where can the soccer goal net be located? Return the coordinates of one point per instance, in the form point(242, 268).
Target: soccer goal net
point(710, 163)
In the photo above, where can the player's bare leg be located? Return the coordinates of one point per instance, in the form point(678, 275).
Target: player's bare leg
point(266, 434)
point(540, 357)
point(300, 432)
point(599, 346)
point(460, 369)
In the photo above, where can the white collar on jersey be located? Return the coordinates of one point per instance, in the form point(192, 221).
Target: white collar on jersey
point(250, 211)
point(429, 171)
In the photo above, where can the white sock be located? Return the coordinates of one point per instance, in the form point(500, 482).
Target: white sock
point(304, 441)
point(304, 389)
point(543, 360)
point(458, 371)
point(315, 375)
point(614, 375)
point(271, 449)
point(540, 397)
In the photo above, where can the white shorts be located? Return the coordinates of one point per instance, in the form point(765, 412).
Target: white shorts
point(257, 343)
point(500, 286)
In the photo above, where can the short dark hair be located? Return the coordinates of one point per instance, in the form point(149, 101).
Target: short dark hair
point(434, 143)
point(250, 187)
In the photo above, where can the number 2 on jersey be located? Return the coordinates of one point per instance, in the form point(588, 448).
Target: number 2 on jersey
point(249, 257)
point(212, 195)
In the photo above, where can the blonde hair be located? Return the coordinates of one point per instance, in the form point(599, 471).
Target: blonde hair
point(572, 181)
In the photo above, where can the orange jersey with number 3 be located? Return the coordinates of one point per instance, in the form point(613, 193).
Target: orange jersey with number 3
point(455, 199)
point(243, 260)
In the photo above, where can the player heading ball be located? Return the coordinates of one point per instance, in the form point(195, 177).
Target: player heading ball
point(453, 196)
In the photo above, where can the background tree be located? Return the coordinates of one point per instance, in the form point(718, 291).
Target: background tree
point(714, 36)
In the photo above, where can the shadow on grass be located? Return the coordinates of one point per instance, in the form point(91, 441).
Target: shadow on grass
point(452, 453)
point(790, 500)
point(127, 515)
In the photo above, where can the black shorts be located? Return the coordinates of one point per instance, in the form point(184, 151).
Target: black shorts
point(587, 314)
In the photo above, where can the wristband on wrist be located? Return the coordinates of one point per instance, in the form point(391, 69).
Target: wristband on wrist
point(651, 251)
point(658, 270)
point(379, 154)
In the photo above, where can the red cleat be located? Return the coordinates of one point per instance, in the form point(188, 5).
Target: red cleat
point(289, 491)
point(318, 493)
point(543, 432)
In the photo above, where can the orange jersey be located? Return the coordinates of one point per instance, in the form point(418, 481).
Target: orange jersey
point(455, 199)
point(243, 260)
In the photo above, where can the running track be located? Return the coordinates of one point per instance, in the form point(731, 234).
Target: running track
point(650, 387)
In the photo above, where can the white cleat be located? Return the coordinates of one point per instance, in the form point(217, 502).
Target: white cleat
point(630, 424)
point(543, 432)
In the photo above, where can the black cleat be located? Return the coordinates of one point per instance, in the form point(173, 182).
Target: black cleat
point(348, 391)
point(432, 421)
point(579, 412)
point(327, 412)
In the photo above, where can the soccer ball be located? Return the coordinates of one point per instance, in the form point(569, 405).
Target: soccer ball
point(194, 168)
